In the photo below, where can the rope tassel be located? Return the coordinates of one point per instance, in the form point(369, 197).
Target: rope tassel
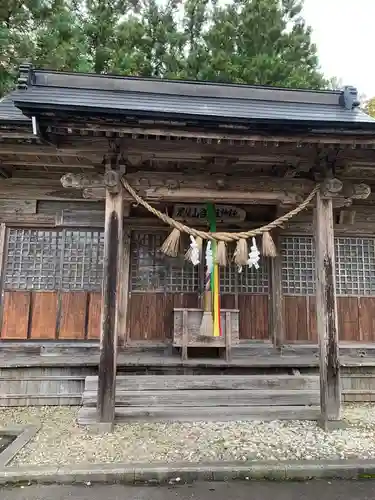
point(240, 255)
point(221, 254)
point(171, 245)
point(268, 245)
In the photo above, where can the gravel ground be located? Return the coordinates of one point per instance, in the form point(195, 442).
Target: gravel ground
point(60, 441)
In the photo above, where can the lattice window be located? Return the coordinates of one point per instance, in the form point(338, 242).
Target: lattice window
point(248, 281)
point(298, 265)
point(82, 267)
point(54, 260)
point(33, 260)
point(152, 271)
point(355, 266)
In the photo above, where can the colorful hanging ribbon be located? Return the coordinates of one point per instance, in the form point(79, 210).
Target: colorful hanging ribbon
point(214, 279)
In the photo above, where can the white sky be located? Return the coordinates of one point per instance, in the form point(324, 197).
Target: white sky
point(344, 32)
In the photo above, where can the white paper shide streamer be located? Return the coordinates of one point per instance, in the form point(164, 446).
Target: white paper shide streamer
point(194, 254)
point(209, 258)
point(254, 255)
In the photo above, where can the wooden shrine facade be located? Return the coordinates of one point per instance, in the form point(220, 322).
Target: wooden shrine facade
point(80, 260)
point(56, 299)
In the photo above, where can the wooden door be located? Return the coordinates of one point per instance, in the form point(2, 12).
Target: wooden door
point(158, 284)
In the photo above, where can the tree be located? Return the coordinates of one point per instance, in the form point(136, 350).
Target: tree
point(244, 41)
point(370, 107)
point(60, 43)
point(17, 23)
point(268, 42)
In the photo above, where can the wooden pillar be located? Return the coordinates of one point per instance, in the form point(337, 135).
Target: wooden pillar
point(2, 265)
point(276, 316)
point(326, 312)
point(124, 283)
point(113, 245)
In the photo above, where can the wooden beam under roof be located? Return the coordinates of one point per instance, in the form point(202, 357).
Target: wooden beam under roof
point(325, 137)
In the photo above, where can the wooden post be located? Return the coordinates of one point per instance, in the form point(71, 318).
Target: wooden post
point(2, 265)
point(228, 337)
point(185, 336)
point(113, 244)
point(276, 316)
point(326, 312)
point(124, 280)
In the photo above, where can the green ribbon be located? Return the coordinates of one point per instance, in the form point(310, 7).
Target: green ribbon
point(211, 218)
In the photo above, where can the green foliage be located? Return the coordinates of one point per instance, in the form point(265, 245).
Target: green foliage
point(244, 41)
point(370, 107)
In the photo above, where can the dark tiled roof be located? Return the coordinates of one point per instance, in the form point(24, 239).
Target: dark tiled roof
point(103, 94)
point(9, 113)
point(190, 106)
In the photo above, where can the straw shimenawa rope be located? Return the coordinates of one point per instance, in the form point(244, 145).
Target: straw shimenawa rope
point(220, 236)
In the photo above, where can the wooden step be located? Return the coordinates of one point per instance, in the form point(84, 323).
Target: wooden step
point(204, 398)
point(87, 416)
point(205, 382)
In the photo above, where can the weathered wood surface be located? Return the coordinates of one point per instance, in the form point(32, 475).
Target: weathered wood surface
point(193, 323)
point(17, 206)
point(94, 316)
point(151, 314)
point(36, 189)
point(73, 321)
point(245, 356)
point(44, 318)
point(124, 278)
point(212, 398)
point(223, 139)
point(87, 415)
point(148, 180)
point(356, 316)
point(3, 234)
point(15, 315)
point(58, 385)
point(276, 312)
point(50, 315)
point(206, 382)
point(42, 386)
point(166, 361)
point(28, 220)
point(184, 334)
point(254, 316)
point(228, 336)
point(185, 188)
point(113, 255)
point(326, 312)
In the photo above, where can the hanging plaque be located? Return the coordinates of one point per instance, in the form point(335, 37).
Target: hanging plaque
point(224, 213)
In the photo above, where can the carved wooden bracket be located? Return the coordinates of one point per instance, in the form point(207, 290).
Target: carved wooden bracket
point(193, 189)
point(82, 181)
point(344, 192)
point(112, 181)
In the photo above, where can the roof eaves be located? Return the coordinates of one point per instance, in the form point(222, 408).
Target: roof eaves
point(10, 113)
point(90, 81)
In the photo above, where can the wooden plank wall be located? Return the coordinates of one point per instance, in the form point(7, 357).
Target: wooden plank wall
point(356, 316)
point(151, 314)
point(51, 315)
